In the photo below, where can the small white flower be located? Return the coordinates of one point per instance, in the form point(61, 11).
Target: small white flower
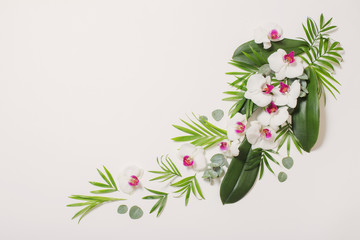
point(259, 90)
point(286, 95)
point(261, 136)
point(236, 127)
point(193, 157)
point(268, 34)
point(285, 65)
point(229, 148)
point(273, 116)
point(130, 179)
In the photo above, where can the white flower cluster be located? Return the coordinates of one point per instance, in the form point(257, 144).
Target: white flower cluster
point(274, 96)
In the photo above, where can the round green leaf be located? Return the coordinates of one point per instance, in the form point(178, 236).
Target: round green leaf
point(288, 162)
point(122, 209)
point(282, 177)
point(135, 212)
point(218, 114)
point(218, 159)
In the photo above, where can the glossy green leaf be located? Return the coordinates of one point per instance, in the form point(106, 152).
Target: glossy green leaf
point(247, 48)
point(306, 116)
point(238, 180)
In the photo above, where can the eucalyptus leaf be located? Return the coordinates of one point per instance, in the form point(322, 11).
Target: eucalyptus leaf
point(288, 162)
point(282, 177)
point(122, 209)
point(218, 159)
point(135, 212)
point(303, 77)
point(217, 114)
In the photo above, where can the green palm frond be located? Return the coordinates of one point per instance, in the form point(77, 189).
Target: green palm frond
point(160, 204)
point(323, 55)
point(109, 185)
point(286, 134)
point(187, 186)
point(200, 133)
point(169, 170)
point(266, 157)
point(89, 203)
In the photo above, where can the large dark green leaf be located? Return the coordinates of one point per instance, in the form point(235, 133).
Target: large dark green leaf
point(306, 116)
point(287, 44)
point(238, 180)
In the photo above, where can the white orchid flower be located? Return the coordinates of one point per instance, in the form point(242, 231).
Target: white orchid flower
point(259, 90)
point(261, 136)
point(130, 179)
point(286, 95)
point(236, 127)
point(285, 65)
point(273, 116)
point(268, 34)
point(193, 157)
point(230, 148)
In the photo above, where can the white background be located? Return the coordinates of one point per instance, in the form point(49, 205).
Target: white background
point(91, 83)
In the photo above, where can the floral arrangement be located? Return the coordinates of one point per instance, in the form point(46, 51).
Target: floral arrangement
point(276, 93)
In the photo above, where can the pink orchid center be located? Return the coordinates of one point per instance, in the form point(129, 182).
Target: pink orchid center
point(267, 89)
point(240, 128)
point(224, 146)
point(133, 181)
point(272, 108)
point(289, 58)
point(266, 133)
point(274, 34)
point(283, 87)
point(188, 161)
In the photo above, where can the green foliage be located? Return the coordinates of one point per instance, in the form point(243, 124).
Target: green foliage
point(215, 170)
point(169, 170)
point(217, 114)
point(285, 134)
point(306, 115)
point(262, 159)
point(323, 54)
point(282, 177)
point(89, 203)
point(287, 162)
point(255, 55)
point(187, 186)
point(109, 185)
point(237, 182)
point(160, 204)
point(135, 212)
point(122, 209)
point(200, 133)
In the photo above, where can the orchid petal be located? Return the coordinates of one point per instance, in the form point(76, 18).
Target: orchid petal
point(261, 99)
point(294, 69)
point(124, 185)
point(276, 60)
point(187, 149)
point(295, 89)
point(264, 118)
point(280, 117)
point(133, 171)
point(199, 160)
